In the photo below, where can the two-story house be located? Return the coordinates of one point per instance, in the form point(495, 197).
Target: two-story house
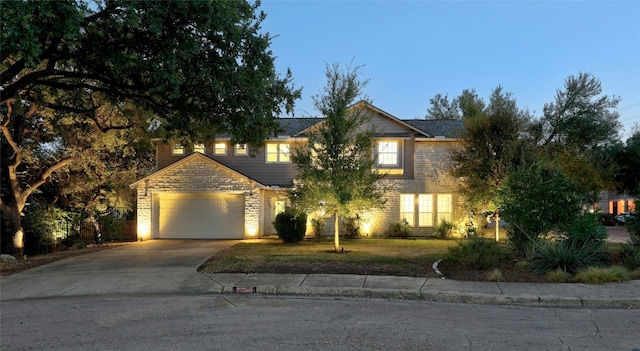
point(219, 191)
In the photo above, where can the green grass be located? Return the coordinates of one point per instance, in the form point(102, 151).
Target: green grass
point(370, 256)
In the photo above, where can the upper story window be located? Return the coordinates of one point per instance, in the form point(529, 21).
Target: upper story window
point(177, 150)
point(277, 153)
point(241, 150)
point(199, 148)
point(220, 149)
point(388, 152)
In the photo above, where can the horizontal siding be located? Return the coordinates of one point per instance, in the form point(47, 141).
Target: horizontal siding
point(255, 168)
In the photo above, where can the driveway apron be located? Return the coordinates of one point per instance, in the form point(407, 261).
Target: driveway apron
point(149, 267)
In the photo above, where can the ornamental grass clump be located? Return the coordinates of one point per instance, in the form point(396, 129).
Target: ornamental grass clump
point(557, 276)
point(600, 275)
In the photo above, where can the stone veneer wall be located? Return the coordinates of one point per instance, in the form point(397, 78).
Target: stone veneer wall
point(197, 176)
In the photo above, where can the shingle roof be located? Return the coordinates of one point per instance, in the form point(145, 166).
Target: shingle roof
point(449, 128)
point(293, 126)
point(435, 127)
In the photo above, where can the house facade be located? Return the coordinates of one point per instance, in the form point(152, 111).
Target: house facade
point(220, 190)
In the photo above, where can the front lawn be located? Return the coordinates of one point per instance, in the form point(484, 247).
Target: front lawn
point(401, 257)
point(361, 256)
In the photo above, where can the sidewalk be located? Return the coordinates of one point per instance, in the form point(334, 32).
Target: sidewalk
point(611, 295)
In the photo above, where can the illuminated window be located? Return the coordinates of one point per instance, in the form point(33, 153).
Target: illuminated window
point(388, 154)
point(241, 150)
point(444, 208)
point(407, 208)
point(279, 206)
point(177, 150)
point(425, 210)
point(277, 153)
point(220, 149)
point(199, 148)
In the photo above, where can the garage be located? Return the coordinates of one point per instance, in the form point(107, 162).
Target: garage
point(199, 216)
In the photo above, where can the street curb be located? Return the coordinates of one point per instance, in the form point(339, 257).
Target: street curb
point(439, 296)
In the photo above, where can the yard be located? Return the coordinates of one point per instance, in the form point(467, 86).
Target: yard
point(403, 257)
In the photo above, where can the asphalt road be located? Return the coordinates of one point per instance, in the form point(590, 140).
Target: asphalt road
point(250, 322)
point(148, 296)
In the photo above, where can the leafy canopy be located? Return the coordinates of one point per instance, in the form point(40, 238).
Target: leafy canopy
point(73, 71)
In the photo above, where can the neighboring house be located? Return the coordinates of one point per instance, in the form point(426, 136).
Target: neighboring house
point(614, 203)
point(218, 191)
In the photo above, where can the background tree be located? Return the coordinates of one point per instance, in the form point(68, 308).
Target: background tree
point(627, 160)
point(197, 67)
point(335, 166)
point(490, 147)
point(575, 129)
point(466, 105)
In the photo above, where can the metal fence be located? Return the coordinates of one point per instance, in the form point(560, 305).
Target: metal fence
point(68, 233)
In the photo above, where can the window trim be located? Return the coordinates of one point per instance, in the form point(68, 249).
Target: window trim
point(395, 169)
point(428, 214)
point(414, 215)
point(408, 214)
point(448, 206)
point(279, 153)
point(200, 146)
point(216, 149)
point(177, 150)
point(245, 149)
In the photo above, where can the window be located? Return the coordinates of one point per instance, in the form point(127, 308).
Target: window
point(444, 207)
point(177, 150)
point(422, 209)
point(388, 154)
point(199, 148)
point(407, 207)
point(277, 153)
point(425, 210)
point(279, 206)
point(220, 149)
point(241, 150)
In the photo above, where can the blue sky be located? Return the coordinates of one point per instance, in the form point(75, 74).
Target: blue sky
point(412, 50)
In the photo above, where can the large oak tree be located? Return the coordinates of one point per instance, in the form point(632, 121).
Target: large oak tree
point(198, 68)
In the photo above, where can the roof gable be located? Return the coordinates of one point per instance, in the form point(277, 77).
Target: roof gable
point(386, 124)
point(194, 157)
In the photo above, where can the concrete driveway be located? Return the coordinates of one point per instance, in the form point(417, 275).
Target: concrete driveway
point(148, 267)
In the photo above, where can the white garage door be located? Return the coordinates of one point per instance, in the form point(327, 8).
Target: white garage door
point(200, 216)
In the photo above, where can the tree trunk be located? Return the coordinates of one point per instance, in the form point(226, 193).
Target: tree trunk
point(11, 213)
point(96, 227)
point(336, 232)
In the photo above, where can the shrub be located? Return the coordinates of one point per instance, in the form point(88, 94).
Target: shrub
point(476, 253)
point(398, 230)
point(352, 227)
point(566, 255)
point(445, 229)
point(597, 275)
point(630, 255)
point(318, 227)
point(558, 276)
point(584, 228)
point(290, 225)
point(536, 200)
point(633, 227)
